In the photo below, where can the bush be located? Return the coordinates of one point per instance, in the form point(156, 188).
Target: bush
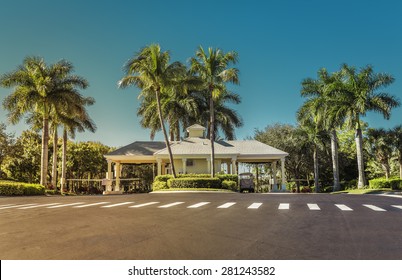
point(16, 188)
point(382, 183)
point(228, 177)
point(230, 185)
point(159, 185)
point(192, 183)
point(163, 178)
point(191, 175)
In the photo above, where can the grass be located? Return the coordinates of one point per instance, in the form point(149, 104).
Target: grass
point(194, 189)
point(363, 191)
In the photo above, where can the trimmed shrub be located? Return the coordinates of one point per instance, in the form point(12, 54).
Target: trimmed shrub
point(382, 183)
point(163, 178)
point(191, 175)
point(229, 185)
point(15, 188)
point(192, 183)
point(159, 185)
point(228, 177)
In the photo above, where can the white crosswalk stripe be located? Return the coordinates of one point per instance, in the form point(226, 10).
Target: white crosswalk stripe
point(226, 205)
point(65, 205)
point(170, 205)
point(4, 205)
point(397, 206)
point(89, 205)
point(37, 206)
point(284, 206)
point(15, 206)
point(254, 206)
point(117, 204)
point(343, 207)
point(143, 204)
point(313, 206)
point(375, 208)
point(197, 205)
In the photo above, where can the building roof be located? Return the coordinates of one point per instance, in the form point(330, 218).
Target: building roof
point(139, 148)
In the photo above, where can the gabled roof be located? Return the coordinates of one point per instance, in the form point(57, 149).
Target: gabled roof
point(139, 148)
point(202, 146)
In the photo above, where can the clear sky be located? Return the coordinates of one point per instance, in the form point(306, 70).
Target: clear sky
point(279, 44)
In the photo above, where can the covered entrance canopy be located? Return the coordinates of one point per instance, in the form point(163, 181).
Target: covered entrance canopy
point(192, 155)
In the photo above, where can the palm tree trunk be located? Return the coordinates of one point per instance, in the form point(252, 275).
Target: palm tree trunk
point(360, 160)
point(316, 175)
point(54, 165)
point(64, 162)
point(335, 161)
point(212, 134)
point(158, 101)
point(45, 152)
point(400, 165)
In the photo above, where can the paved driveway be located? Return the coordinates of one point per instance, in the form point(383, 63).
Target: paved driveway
point(202, 226)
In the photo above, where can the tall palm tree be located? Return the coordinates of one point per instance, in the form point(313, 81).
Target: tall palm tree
point(77, 119)
point(213, 69)
point(380, 145)
point(322, 94)
point(226, 118)
point(38, 88)
point(360, 93)
point(396, 133)
point(150, 71)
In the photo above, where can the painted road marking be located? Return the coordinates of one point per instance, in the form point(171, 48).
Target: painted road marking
point(227, 205)
point(373, 207)
point(36, 206)
point(88, 205)
point(170, 205)
point(117, 204)
point(4, 205)
point(343, 207)
point(142, 205)
point(313, 206)
point(15, 206)
point(198, 204)
point(284, 206)
point(397, 206)
point(65, 205)
point(254, 206)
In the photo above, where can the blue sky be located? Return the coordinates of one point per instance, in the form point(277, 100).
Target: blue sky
point(279, 44)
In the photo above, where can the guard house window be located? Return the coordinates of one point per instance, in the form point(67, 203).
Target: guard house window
point(190, 162)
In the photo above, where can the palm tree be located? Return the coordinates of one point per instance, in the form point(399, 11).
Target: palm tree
point(322, 94)
point(396, 133)
point(77, 119)
point(360, 93)
point(380, 145)
point(150, 71)
point(226, 118)
point(213, 69)
point(38, 88)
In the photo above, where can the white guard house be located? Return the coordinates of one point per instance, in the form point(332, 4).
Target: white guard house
point(193, 155)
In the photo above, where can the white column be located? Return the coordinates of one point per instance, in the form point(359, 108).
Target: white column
point(109, 176)
point(234, 169)
point(184, 165)
point(159, 162)
point(209, 164)
point(275, 185)
point(283, 175)
point(118, 171)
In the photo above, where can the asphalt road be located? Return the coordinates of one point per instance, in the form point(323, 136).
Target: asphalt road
point(216, 226)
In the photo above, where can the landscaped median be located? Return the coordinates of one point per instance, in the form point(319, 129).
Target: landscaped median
point(196, 182)
point(10, 188)
point(378, 185)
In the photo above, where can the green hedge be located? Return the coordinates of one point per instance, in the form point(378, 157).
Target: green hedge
point(229, 185)
point(15, 188)
point(228, 177)
point(381, 183)
point(192, 183)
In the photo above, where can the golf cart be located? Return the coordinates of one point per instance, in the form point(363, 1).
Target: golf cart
point(246, 182)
